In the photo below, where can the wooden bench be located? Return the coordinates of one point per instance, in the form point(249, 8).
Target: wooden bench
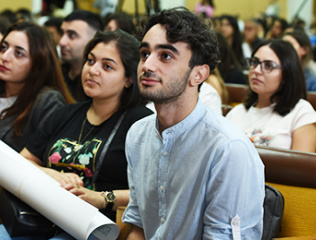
point(293, 173)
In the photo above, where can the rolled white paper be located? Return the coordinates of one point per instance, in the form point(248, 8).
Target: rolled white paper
point(75, 216)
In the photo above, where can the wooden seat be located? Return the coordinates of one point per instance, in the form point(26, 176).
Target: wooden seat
point(236, 93)
point(299, 217)
point(124, 227)
point(293, 173)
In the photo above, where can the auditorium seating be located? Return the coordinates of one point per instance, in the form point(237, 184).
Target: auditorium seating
point(124, 227)
point(293, 173)
point(236, 93)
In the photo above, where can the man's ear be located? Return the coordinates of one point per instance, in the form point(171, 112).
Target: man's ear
point(199, 74)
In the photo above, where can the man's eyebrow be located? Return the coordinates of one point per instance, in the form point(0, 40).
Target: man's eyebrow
point(161, 46)
point(69, 31)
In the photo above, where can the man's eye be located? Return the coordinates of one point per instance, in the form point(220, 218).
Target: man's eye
point(72, 35)
point(166, 56)
point(144, 54)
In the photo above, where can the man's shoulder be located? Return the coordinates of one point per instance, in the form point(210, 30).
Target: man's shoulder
point(221, 127)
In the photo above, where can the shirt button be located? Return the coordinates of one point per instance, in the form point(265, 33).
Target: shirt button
point(162, 220)
point(165, 153)
point(157, 135)
point(235, 223)
point(162, 188)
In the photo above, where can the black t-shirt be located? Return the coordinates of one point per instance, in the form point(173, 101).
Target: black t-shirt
point(74, 85)
point(56, 144)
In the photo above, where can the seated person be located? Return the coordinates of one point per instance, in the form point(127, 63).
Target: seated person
point(70, 145)
point(275, 113)
point(120, 20)
point(229, 67)
point(31, 82)
point(301, 43)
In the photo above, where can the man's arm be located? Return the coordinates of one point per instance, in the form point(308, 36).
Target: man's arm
point(136, 233)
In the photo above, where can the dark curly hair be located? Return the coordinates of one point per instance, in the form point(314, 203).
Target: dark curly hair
point(183, 26)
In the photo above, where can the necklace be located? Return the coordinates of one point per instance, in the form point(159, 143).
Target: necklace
point(82, 127)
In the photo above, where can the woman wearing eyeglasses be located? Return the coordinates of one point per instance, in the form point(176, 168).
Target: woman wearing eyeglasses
point(275, 113)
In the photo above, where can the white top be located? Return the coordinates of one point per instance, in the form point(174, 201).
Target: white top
point(267, 128)
point(208, 95)
point(246, 49)
point(6, 102)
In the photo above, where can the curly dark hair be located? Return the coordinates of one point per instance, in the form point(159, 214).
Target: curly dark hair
point(183, 26)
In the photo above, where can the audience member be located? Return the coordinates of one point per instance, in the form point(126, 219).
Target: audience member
point(24, 14)
point(229, 67)
point(275, 113)
point(251, 33)
point(277, 29)
point(192, 154)
point(4, 25)
point(301, 43)
point(9, 15)
point(230, 30)
point(78, 28)
point(71, 141)
point(205, 8)
point(120, 20)
point(53, 25)
point(31, 83)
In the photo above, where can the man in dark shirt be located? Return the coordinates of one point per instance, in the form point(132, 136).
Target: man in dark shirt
point(78, 29)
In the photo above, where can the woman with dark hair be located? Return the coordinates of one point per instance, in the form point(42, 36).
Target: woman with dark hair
point(229, 67)
point(31, 82)
point(275, 113)
point(301, 43)
point(120, 20)
point(278, 27)
point(230, 30)
point(71, 147)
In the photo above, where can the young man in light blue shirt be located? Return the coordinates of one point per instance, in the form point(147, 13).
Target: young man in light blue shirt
point(192, 173)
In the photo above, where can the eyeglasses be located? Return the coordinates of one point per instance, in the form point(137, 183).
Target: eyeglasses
point(266, 66)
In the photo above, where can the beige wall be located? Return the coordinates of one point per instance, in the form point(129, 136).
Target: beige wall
point(15, 4)
point(244, 8)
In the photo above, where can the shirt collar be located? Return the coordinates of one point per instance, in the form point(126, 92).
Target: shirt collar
point(191, 120)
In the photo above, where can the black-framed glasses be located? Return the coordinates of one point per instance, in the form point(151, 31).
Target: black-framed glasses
point(266, 66)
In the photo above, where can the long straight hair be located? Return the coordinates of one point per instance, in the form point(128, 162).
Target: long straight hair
point(45, 72)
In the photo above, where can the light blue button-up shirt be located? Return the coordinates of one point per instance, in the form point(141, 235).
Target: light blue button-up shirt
point(202, 179)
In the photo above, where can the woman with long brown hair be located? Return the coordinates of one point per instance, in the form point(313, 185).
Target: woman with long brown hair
point(31, 82)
